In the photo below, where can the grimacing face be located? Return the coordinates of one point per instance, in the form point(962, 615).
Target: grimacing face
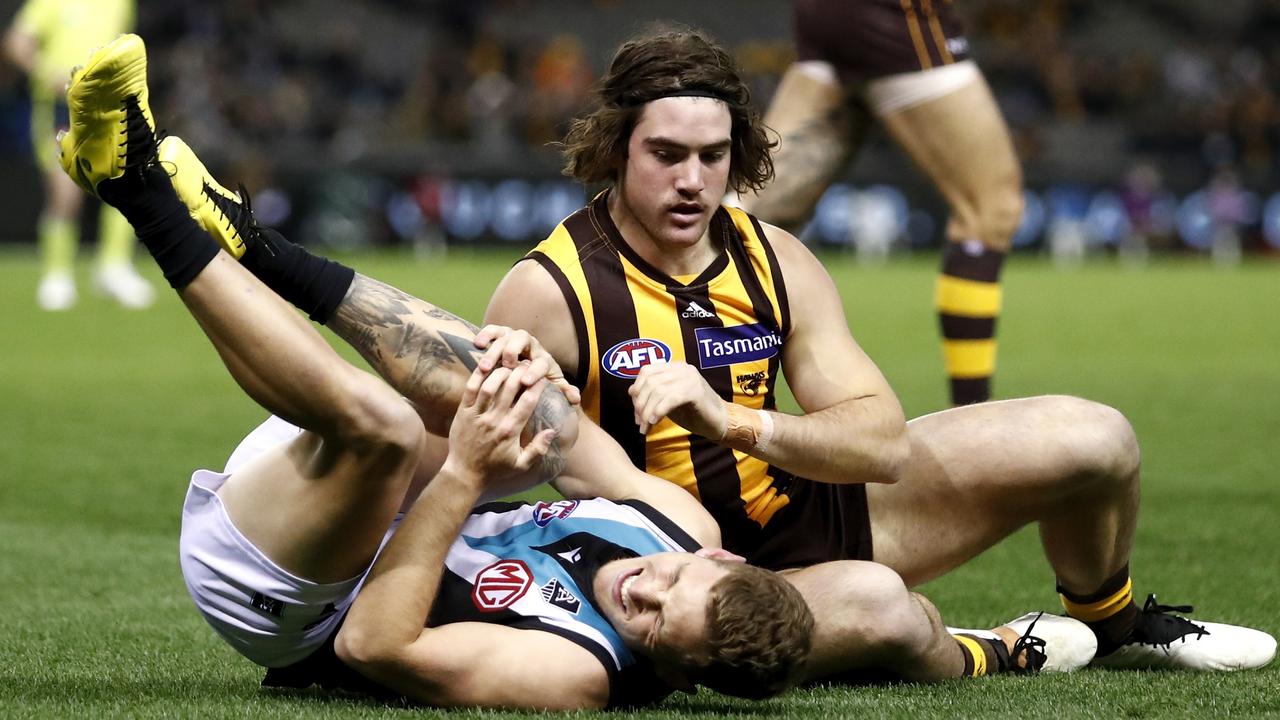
point(677, 169)
point(658, 604)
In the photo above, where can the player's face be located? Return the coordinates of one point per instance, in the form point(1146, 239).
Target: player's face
point(658, 604)
point(677, 169)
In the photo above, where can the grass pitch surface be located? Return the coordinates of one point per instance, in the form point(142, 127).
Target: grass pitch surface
point(105, 413)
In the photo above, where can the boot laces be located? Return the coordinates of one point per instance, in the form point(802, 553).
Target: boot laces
point(138, 150)
point(1032, 648)
point(1157, 626)
point(238, 216)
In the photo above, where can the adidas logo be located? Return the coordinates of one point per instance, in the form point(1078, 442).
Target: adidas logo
point(696, 311)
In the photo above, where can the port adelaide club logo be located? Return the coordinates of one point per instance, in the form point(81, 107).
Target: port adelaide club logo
point(500, 585)
point(625, 359)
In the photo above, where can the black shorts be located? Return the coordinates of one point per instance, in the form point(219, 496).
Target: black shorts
point(823, 522)
point(867, 39)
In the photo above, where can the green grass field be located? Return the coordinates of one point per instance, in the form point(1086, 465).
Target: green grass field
point(106, 412)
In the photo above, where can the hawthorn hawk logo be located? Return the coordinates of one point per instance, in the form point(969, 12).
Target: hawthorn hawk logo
point(498, 586)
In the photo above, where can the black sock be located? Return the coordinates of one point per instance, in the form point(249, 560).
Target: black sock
point(313, 284)
point(180, 247)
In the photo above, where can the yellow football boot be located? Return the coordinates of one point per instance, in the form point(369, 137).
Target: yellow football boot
point(111, 127)
point(219, 211)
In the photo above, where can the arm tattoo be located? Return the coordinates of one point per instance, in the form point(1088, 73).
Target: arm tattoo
point(386, 327)
point(382, 324)
point(553, 411)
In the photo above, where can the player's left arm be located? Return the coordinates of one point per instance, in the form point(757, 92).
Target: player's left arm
point(852, 430)
point(475, 664)
point(384, 636)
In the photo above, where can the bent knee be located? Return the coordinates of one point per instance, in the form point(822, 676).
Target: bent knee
point(374, 417)
point(1101, 436)
point(862, 605)
point(991, 215)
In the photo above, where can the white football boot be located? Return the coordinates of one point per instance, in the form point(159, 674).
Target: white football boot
point(1169, 642)
point(57, 292)
point(1065, 644)
point(122, 283)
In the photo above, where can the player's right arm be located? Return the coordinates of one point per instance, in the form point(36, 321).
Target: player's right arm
point(528, 298)
point(598, 467)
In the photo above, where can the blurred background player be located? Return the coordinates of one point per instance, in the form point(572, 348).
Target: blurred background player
point(46, 39)
point(905, 62)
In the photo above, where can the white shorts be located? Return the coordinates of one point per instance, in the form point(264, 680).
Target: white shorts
point(897, 92)
point(267, 614)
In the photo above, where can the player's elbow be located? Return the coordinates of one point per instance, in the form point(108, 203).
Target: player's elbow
point(893, 456)
point(364, 650)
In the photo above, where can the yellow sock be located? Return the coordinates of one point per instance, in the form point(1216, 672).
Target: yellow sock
point(115, 237)
point(57, 239)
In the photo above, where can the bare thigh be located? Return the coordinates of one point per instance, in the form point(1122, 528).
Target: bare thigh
point(818, 130)
point(318, 511)
point(980, 472)
point(962, 143)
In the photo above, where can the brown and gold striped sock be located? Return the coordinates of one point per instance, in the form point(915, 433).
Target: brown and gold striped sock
point(982, 656)
point(1109, 611)
point(968, 301)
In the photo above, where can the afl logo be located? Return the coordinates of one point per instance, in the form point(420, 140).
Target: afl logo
point(544, 512)
point(625, 359)
point(500, 585)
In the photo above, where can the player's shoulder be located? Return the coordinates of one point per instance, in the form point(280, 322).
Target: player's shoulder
point(794, 257)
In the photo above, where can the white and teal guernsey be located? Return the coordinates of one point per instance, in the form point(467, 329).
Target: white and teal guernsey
point(531, 567)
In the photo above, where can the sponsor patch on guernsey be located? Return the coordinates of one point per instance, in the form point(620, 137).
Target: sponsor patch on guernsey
point(500, 585)
point(720, 346)
point(625, 359)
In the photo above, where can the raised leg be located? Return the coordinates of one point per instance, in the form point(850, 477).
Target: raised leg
point(979, 473)
point(961, 142)
point(319, 505)
point(818, 130)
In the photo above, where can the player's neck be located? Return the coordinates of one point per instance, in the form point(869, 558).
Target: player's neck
point(676, 259)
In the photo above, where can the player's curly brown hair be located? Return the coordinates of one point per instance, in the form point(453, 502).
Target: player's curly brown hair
point(760, 631)
point(666, 61)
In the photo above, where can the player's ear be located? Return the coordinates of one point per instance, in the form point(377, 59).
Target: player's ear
point(720, 554)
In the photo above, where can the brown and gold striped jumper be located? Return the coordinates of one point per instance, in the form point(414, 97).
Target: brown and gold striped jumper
point(730, 322)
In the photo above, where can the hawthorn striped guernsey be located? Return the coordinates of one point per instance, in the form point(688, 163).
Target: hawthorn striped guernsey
point(731, 322)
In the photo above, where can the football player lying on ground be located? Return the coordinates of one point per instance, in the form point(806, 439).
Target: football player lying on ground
point(275, 549)
point(316, 504)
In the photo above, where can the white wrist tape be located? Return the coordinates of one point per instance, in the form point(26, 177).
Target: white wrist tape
point(766, 431)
